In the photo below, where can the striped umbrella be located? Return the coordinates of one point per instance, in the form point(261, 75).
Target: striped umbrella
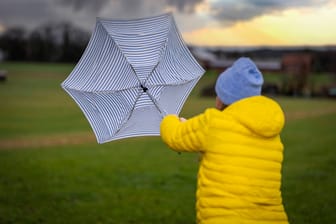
point(132, 73)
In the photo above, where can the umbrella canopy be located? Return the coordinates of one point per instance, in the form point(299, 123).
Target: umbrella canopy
point(132, 73)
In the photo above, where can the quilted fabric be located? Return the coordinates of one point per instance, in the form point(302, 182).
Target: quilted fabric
point(239, 177)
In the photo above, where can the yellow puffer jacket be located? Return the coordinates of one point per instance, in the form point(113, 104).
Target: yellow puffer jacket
point(239, 177)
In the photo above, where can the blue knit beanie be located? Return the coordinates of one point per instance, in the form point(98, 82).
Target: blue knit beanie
point(243, 79)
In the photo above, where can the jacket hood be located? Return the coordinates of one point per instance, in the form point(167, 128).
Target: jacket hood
point(260, 114)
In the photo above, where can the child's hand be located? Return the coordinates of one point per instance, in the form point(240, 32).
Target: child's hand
point(182, 119)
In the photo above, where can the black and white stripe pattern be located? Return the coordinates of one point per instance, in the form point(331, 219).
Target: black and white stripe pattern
point(131, 74)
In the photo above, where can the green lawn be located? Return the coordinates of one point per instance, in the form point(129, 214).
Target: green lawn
point(53, 171)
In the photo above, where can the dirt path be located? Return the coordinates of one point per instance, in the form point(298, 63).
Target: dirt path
point(55, 140)
point(298, 115)
point(44, 141)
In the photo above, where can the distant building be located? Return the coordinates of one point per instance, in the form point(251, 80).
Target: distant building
point(272, 65)
point(209, 60)
point(268, 59)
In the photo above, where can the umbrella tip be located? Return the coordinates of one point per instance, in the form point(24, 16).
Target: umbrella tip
point(144, 88)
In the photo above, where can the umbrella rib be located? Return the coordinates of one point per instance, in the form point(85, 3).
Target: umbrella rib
point(116, 44)
point(128, 115)
point(156, 104)
point(162, 52)
point(173, 84)
point(162, 112)
point(103, 91)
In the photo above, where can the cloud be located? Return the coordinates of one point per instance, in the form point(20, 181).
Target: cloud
point(32, 13)
point(293, 27)
point(189, 14)
point(25, 13)
point(231, 11)
point(184, 5)
point(77, 5)
point(131, 5)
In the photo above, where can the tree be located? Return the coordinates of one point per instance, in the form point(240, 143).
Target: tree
point(13, 43)
point(52, 42)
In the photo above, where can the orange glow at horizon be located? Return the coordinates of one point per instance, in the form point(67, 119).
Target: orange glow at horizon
point(291, 27)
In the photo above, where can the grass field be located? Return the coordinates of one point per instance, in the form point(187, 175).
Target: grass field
point(53, 171)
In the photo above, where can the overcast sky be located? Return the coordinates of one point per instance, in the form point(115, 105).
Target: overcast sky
point(228, 22)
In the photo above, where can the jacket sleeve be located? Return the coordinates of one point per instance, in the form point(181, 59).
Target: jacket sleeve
point(187, 136)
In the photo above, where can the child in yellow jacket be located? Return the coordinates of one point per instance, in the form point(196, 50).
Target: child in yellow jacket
point(239, 177)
